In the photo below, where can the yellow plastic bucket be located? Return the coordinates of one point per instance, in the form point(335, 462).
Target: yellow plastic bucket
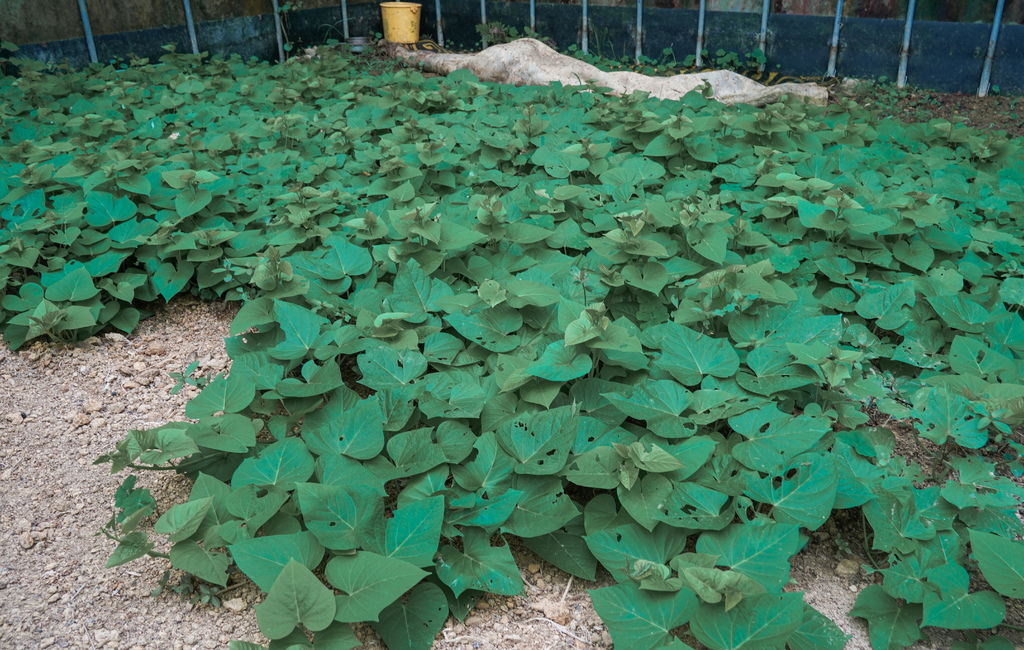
point(401, 21)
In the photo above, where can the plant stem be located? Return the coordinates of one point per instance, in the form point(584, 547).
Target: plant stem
point(152, 467)
point(231, 588)
point(864, 540)
point(1011, 627)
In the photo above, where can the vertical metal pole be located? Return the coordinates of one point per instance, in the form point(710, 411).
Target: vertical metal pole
point(483, 21)
point(344, 19)
point(700, 34)
point(440, 32)
point(987, 71)
point(586, 29)
point(833, 46)
point(191, 27)
point(762, 38)
point(639, 28)
point(277, 26)
point(88, 31)
point(901, 76)
point(533, 14)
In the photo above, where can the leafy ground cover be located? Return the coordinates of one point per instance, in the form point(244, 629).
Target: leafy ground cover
point(638, 335)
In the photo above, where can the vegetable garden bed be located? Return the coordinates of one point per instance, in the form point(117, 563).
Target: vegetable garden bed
point(641, 336)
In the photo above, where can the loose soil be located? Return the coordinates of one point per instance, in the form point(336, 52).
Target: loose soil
point(63, 406)
point(992, 113)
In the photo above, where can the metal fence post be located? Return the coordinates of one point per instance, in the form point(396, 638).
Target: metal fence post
point(440, 32)
point(833, 46)
point(88, 31)
point(699, 61)
point(639, 28)
point(586, 29)
point(533, 14)
point(191, 27)
point(901, 76)
point(762, 38)
point(986, 73)
point(344, 19)
point(483, 21)
point(277, 26)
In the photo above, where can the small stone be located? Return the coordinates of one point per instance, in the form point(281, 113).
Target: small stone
point(15, 418)
point(98, 423)
point(848, 568)
point(534, 568)
point(235, 605)
point(114, 337)
point(104, 637)
point(47, 642)
point(80, 419)
point(553, 609)
point(23, 525)
point(853, 588)
point(139, 366)
point(472, 620)
point(504, 620)
point(156, 348)
point(26, 541)
point(91, 405)
point(129, 385)
point(116, 408)
point(541, 584)
point(606, 639)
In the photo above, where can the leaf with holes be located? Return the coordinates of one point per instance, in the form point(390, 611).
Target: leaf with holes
point(803, 492)
point(385, 367)
point(354, 431)
point(341, 516)
point(540, 444)
point(944, 415)
point(479, 566)
point(642, 620)
point(760, 552)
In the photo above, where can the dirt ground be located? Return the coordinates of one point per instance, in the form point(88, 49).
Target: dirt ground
point(992, 113)
point(61, 407)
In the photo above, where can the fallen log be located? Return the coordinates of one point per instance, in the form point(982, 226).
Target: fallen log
point(529, 62)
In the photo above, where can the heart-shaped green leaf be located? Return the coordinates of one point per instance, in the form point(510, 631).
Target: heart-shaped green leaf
point(297, 597)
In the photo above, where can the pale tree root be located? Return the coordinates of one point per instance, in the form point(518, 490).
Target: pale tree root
point(528, 62)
